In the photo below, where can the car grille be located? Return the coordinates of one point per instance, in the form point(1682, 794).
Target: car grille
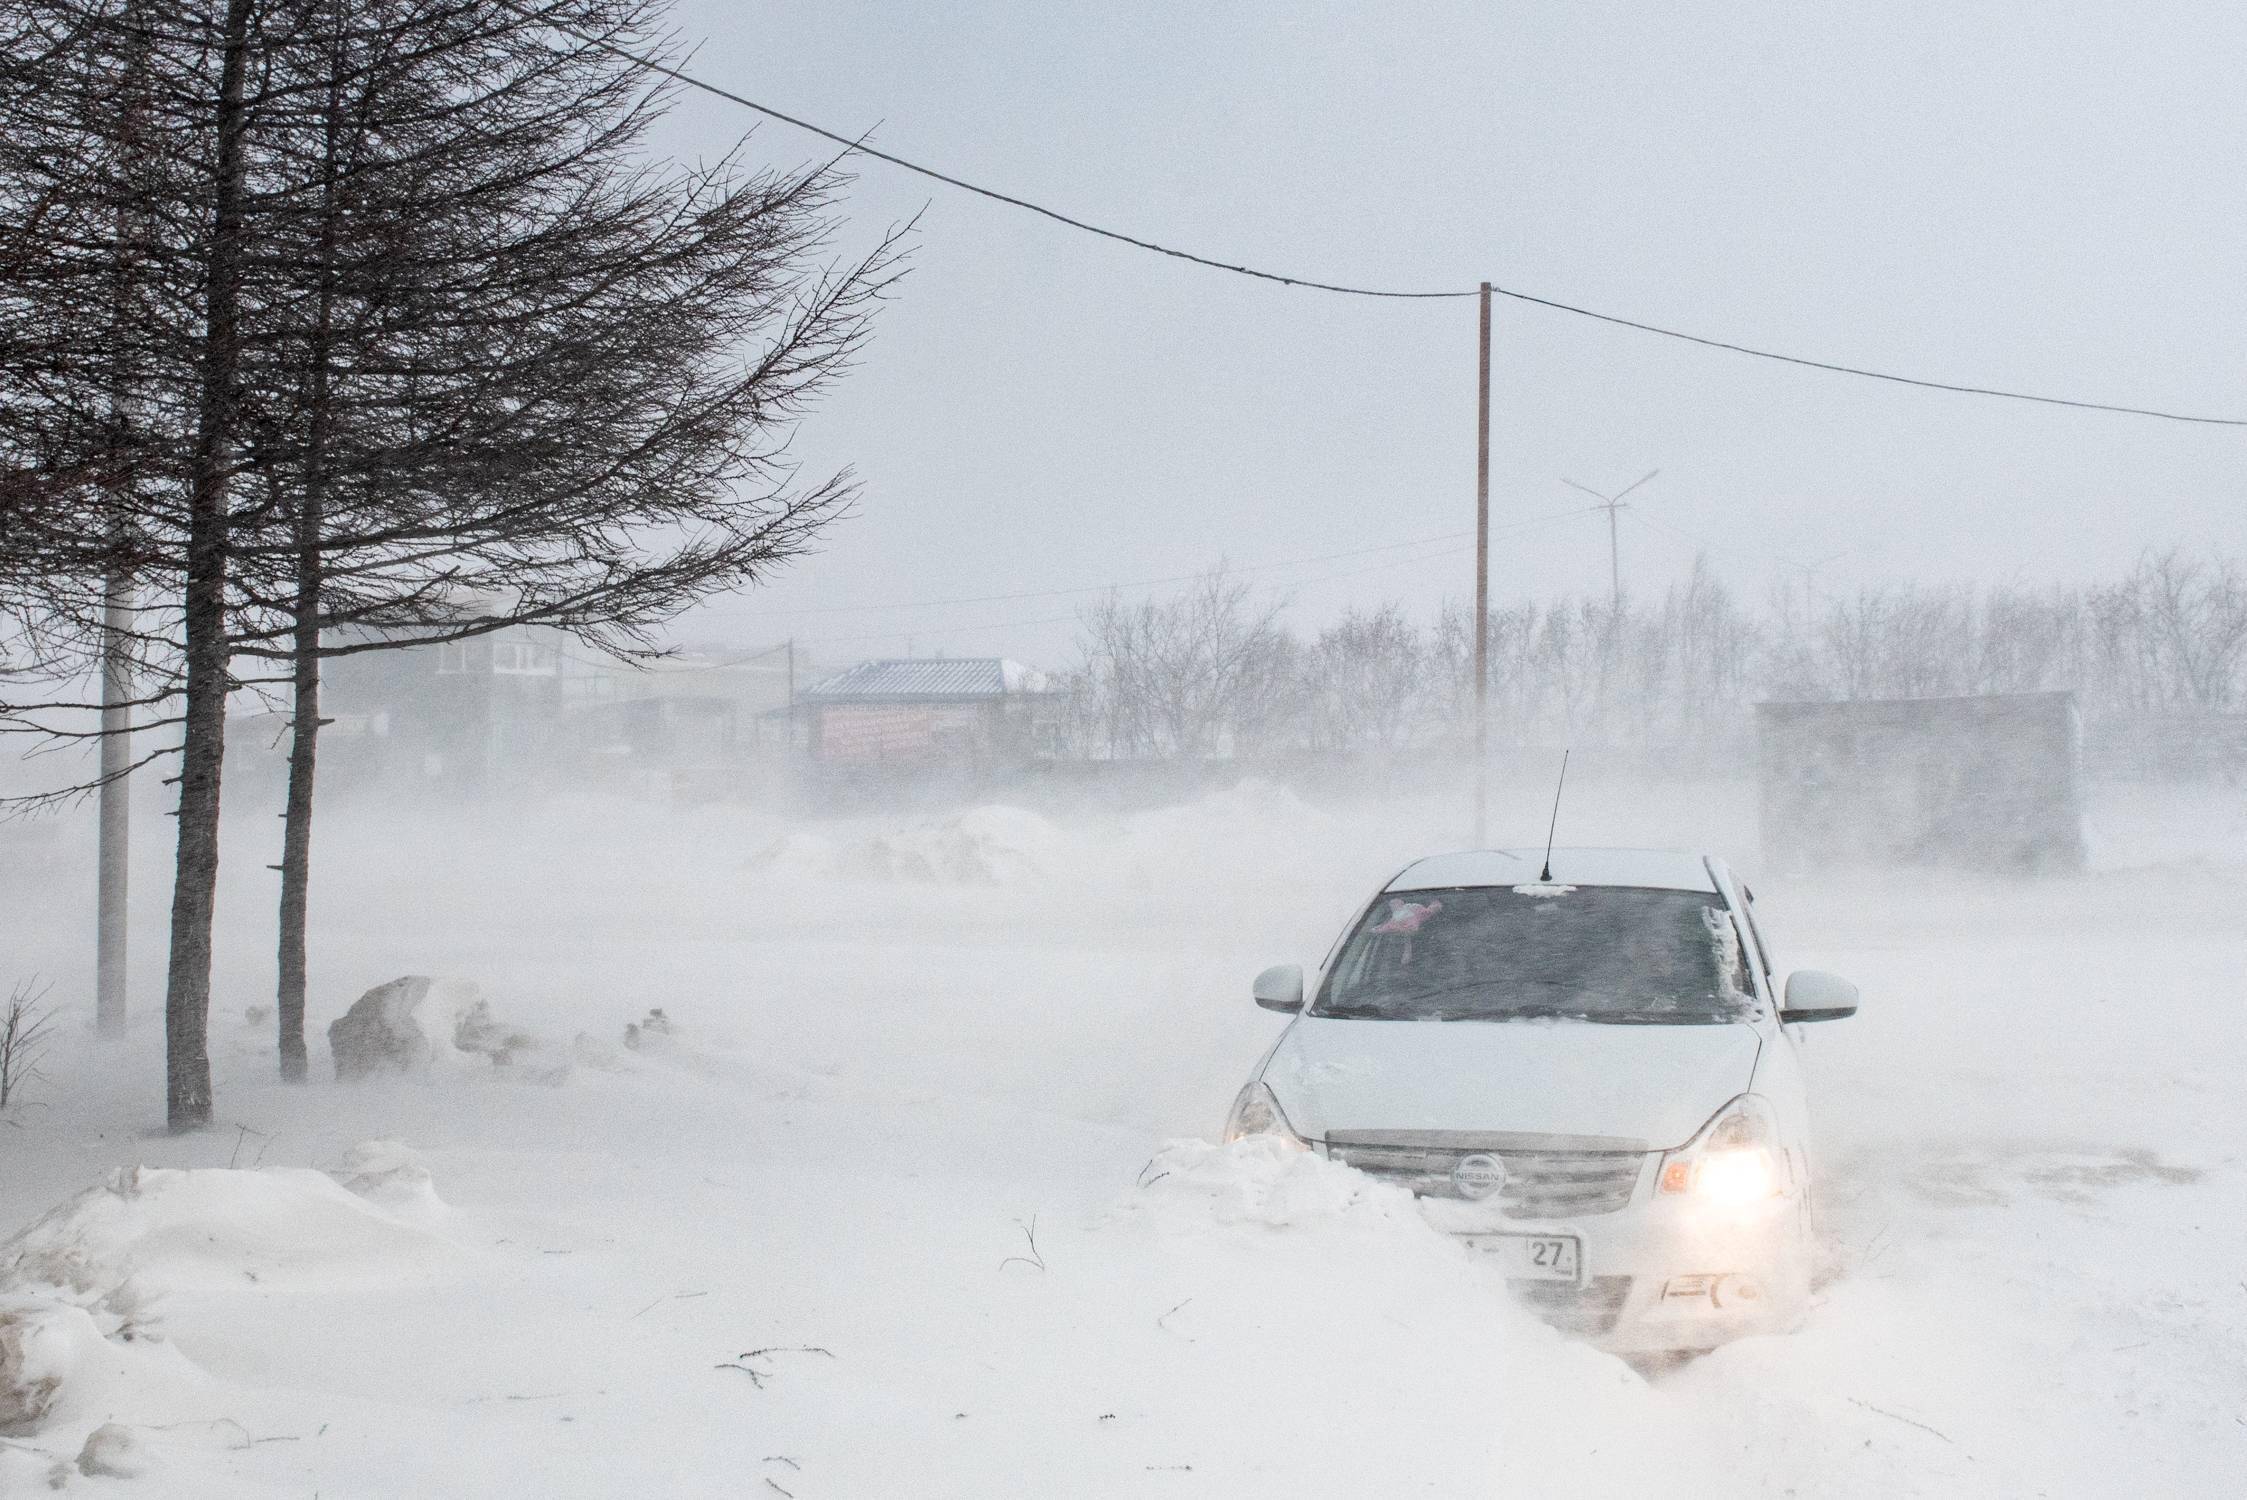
point(1587, 1311)
point(1547, 1176)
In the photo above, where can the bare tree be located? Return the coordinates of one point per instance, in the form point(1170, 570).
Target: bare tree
point(1182, 677)
point(530, 379)
point(1369, 680)
point(2194, 618)
point(26, 1029)
point(428, 345)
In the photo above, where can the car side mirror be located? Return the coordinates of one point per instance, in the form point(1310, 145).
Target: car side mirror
point(1280, 987)
point(1814, 995)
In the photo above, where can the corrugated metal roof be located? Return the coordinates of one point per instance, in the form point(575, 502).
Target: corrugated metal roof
point(925, 679)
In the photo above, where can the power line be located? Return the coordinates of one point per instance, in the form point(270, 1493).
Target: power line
point(858, 145)
point(1530, 524)
point(1732, 549)
point(1839, 369)
point(1515, 529)
point(1142, 583)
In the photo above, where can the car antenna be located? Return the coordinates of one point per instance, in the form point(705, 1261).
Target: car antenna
point(1545, 876)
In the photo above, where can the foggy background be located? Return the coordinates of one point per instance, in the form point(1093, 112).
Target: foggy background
point(2014, 195)
point(928, 1004)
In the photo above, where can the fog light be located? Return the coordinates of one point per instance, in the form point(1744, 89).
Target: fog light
point(1735, 1290)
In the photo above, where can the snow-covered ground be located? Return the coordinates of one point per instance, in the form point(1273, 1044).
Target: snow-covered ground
point(892, 1212)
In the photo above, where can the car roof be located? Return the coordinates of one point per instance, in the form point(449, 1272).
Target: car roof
point(1658, 869)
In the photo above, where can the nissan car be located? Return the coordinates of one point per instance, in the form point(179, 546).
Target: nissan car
point(1581, 1062)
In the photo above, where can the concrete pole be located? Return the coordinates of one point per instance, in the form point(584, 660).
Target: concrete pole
point(1482, 582)
point(110, 949)
point(1614, 566)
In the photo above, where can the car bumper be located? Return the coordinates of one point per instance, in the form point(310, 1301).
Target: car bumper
point(1672, 1274)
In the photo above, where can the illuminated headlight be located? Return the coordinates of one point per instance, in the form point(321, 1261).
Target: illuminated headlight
point(1742, 1175)
point(1257, 1112)
point(1734, 1161)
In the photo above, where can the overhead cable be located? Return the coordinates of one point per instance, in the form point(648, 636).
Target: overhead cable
point(859, 146)
point(1137, 583)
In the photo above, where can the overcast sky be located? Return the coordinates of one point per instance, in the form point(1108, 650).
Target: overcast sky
point(2037, 195)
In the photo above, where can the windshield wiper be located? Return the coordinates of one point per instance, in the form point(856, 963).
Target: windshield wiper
point(1541, 1013)
point(1414, 1007)
point(1398, 1007)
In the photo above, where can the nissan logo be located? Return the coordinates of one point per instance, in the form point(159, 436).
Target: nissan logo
point(1479, 1176)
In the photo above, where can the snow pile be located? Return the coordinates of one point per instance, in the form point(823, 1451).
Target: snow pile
point(795, 855)
point(990, 845)
point(48, 1347)
point(82, 1356)
point(1252, 818)
point(392, 1175)
point(150, 1230)
point(1256, 1288)
point(1264, 1180)
point(416, 1022)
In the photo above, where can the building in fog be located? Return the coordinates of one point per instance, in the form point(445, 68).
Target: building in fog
point(962, 713)
point(527, 702)
point(1990, 782)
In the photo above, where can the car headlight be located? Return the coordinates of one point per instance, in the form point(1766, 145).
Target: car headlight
point(1257, 1112)
point(1735, 1161)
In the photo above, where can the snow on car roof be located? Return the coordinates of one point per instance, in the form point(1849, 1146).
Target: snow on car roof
point(1660, 869)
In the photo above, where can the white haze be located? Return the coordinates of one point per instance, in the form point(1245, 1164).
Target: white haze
point(902, 1039)
point(2013, 194)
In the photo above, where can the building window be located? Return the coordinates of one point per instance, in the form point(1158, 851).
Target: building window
point(522, 659)
point(452, 658)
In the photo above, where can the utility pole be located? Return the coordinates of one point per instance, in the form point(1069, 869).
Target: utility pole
point(1809, 571)
point(116, 810)
point(1611, 504)
point(1614, 563)
point(114, 839)
point(1482, 583)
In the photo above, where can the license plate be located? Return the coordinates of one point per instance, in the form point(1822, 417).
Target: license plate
point(1533, 1257)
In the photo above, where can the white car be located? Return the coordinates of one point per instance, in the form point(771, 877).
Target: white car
point(1584, 1069)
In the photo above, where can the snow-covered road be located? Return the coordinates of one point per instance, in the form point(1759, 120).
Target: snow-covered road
point(793, 1251)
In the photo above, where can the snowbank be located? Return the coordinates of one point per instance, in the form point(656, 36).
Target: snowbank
point(92, 1386)
point(1263, 1180)
point(414, 1023)
point(990, 845)
point(1332, 1295)
point(155, 1229)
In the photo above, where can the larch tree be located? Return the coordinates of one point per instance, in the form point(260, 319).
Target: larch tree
point(424, 344)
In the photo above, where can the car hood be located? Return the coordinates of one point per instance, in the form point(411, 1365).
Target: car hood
point(1656, 1084)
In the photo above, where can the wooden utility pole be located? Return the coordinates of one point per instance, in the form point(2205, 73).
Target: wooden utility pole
point(1482, 583)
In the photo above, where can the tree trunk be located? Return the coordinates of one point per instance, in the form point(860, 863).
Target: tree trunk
point(296, 827)
point(187, 990)
point(304, 721)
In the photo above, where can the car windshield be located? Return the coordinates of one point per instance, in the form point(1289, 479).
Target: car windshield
point(1616, 954)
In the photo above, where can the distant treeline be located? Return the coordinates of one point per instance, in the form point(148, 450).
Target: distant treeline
point(1210, 672)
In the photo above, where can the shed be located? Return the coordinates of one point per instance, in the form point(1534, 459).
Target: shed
point(929, 711)
point(1990, 782)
